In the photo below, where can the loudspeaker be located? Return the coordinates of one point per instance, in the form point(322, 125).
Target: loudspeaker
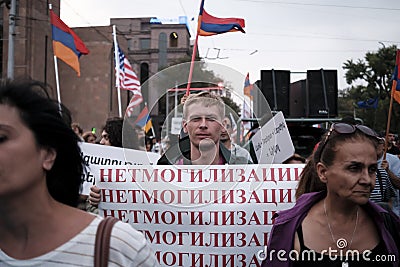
point(275, 88)
point(297, 99)
point(322, 93)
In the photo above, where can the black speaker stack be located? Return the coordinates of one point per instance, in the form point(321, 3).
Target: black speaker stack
point(275, 87)
point(314, 97)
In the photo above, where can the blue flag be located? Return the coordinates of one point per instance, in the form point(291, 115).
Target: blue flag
point(369, 103)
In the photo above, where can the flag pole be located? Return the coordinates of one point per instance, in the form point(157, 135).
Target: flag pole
point(57, 81)
point(117, 63)
point(56, 73)
point(192, 63)
point(194, 51)
point(394, 85)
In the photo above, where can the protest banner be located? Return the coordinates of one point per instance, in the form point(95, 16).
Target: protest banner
point(272, 143)
point(94, 154)
point(219, 215)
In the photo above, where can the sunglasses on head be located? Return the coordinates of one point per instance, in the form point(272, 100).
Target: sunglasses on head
point(344, 128)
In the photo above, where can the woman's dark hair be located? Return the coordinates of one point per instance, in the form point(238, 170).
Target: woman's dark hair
point(296, 157)
point(86, 136)
point(113, 128)
point(45, 118)
point(309, 180)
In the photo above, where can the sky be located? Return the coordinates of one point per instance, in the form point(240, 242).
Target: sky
point(280, 34)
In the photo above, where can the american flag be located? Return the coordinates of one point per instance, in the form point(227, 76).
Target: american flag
point(128, 79)
point(135, 100)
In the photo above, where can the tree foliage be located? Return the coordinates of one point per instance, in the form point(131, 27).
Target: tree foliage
point(375, 70)
point(369, 78)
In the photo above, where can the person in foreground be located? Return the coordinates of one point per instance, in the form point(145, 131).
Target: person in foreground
point(40, 177)
point(331, 227)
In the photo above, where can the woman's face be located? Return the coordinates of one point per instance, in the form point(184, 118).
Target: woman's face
point(23, 164)
point(352, 174)
point(105, 139)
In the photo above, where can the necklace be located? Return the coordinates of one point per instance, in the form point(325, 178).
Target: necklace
point(341, 243)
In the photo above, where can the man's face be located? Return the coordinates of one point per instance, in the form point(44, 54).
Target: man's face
point(391, 138)
point(380, 148)
point(203, 124)
point(226, 131)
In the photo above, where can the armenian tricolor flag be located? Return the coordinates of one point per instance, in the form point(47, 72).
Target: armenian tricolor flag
point(210, 25)
point(67, 45)
point(396, 78)
point(143, 120)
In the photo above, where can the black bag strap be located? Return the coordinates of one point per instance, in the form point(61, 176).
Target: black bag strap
point(102, 243)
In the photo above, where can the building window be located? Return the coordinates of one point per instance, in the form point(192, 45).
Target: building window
point(144, 76)
point(162, 48)
point(173, 40)
point(144, 72)
point(145, 43)
point(131, 44)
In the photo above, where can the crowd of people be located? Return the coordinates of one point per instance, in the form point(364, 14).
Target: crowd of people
point(349, 187)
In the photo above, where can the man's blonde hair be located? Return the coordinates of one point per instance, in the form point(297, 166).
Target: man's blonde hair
point(206, 99)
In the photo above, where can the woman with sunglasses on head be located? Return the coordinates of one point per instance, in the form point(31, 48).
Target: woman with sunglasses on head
point(338, 225)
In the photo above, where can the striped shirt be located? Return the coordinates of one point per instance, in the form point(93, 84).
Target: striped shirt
point(128, 247)
point(388, 189)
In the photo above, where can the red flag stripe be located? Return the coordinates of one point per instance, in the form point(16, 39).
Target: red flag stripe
point(135, 101)
point(128, 79)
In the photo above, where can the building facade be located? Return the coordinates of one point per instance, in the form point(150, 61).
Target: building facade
point(149, 45)
point(32, 41)
point(153, 47)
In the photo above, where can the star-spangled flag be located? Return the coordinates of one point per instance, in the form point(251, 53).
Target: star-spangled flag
point(128, 79)
point(135, 100)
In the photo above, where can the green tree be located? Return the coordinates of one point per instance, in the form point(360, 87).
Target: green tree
point(376, 70)
point(369, 78)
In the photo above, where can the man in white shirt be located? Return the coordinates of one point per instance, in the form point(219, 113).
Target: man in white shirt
point(226, 140)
